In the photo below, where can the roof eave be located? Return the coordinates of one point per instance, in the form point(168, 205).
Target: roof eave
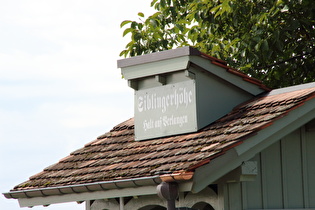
point(45, 196)
point(97, 190)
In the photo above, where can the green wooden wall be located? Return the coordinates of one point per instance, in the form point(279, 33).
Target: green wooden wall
point(286, 176)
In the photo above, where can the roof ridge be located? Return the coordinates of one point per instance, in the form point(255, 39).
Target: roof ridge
point(291, 89)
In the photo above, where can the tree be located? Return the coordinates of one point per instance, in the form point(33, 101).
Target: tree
point(271, 40)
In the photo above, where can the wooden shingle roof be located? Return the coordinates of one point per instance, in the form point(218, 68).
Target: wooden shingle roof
point(117, 156)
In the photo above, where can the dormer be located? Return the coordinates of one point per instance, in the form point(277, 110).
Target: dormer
point(183, 90)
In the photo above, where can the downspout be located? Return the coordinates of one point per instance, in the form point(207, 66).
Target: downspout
point(168, 189)
point(169, 192)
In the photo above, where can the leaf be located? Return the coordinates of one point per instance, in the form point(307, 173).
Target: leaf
point(216, 9)
point(140, 26)
point(257, 39)
point(153, 2)
point(279, 2)
point(134, 24)
point(124, 23)
point(226, 6)
point(157, 36)
point(257, 46)
point(285, 9)
point(136, 37)
point(140, 14)
point(265, 45)
point(162, 3)
point(294, 24)
point(180, 27)
point(128, 30)
point(153, 23)
point(123, 53)
point(279, 46)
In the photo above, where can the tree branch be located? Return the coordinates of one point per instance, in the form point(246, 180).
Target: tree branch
point(282, 62)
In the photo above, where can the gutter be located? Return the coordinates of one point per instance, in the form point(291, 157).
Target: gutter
point(100, 186)
point(80, 188)
point(181, 176)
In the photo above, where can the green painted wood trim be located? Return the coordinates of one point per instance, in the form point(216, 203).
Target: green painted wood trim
point(214, 170)
point(280, 128)
point(244, 195)
point(284, 173)
point(29, 202)
point(263, 180)
point(227, 76)
point(158, 56)
point(155, 68)
point(304, 168)
point(220, 166)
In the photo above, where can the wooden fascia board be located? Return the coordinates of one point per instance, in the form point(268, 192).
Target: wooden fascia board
point(233, 158)
point(280, 128)
point(212, 171)
point(155, 68)
point(73, 197)
point(158, 56)
point(227, 76)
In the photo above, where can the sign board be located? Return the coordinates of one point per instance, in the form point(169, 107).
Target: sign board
point(165, 110)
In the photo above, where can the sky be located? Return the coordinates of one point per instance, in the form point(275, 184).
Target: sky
point(60, 87)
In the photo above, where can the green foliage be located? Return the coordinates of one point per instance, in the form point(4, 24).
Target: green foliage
point(271, 40)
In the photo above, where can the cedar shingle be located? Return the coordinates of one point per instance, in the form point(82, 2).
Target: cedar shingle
point(115, 154)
